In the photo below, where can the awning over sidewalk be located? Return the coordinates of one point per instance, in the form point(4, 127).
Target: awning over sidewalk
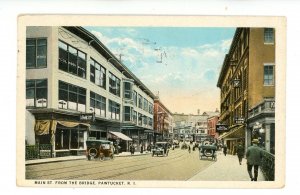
point(236, 132)
point(121, 136)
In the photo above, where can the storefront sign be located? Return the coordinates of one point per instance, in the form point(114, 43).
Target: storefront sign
point(239, 120)
point(220, 127)
point(87, 117)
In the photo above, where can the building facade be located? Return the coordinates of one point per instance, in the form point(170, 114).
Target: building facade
point(76, 89)
point(247, 83)
point(163, 121)
point(211, 126)
point(193, 127)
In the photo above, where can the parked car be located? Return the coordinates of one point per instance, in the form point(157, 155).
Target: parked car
point(99, 149)
point(160, 148)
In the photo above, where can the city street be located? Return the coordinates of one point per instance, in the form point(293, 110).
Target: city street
point(179, 165)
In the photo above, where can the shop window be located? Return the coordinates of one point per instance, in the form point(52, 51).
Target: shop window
point(71, 97)
point(36, 93)
point(36, 53)
point(62, 139)
point(72, 60)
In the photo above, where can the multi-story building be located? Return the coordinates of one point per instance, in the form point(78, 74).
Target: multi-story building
point(247, 83)
point(163, 121)
point(211, 126)
point(76, 88)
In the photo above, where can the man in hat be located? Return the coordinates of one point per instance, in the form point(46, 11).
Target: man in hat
point(254, 156)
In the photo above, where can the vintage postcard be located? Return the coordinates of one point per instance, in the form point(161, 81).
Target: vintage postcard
point(151, 101)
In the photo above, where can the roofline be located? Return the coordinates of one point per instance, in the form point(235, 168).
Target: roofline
point(157, 100)
point(226, 59)
point(102, 49)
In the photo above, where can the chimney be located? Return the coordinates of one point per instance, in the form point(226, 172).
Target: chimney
point(198, 111)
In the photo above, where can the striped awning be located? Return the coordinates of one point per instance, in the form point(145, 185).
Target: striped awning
point(121, 135)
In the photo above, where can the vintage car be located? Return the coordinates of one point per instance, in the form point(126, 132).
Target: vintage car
point(160, 148)
point(208, 150)
point(99, 149)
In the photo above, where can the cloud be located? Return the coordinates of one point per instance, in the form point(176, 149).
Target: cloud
point(187, 75)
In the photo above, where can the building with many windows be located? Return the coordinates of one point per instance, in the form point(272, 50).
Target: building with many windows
point(76, 88)
point(163, 121)
point(247, 83)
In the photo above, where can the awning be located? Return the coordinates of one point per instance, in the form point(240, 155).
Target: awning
point(121, 136)
point(236, 132)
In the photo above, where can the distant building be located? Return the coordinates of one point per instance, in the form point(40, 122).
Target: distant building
point(211, 126)
point(247, 84)
point(192, 126)
point(163, 121)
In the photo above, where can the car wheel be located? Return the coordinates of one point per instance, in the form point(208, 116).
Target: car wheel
point(93, 152)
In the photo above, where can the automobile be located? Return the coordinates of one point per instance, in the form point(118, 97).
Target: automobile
point(160, 148)
point(208, 150)
point(99, 149)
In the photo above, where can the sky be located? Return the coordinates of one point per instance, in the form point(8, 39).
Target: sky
point(180, 64)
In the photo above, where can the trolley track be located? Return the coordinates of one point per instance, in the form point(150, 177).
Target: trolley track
point(89, 169)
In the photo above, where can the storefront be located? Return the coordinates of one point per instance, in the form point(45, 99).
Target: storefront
point(66, 137)
point(235, 135)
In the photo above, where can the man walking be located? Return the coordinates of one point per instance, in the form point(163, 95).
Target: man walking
point(240, 152)
point(254, 156)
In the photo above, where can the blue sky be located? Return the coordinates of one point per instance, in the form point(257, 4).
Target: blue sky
point(181, 64)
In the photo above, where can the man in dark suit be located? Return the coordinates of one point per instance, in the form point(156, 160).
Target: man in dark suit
point(254, 156)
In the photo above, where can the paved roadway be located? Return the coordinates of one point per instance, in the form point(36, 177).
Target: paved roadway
point(179, 165)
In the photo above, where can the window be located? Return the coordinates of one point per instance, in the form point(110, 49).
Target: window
point(150, 108)
point(140, 101)
point(269, 75)
point(98, 104)
point(127, 114)
point(36, 53)
point(127, 90)
point(134, 98)
point(150, 120)
point(146, 105)
point(69, 138)
point(114, 110)
point(140, 119)
point(71, 97)
point(269, 35)
point(36, 93)
point(114, 85)
point(72, 60)
point(134, 116)
point(145, 120)
point(97, 74)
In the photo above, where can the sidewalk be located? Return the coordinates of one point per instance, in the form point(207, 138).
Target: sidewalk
point(226, 168)
point(68, 158)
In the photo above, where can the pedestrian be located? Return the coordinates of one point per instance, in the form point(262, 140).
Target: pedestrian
point(254, 155)
point(189, 148)
point(225, 149)
point(240, 152)
point(131, 148)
